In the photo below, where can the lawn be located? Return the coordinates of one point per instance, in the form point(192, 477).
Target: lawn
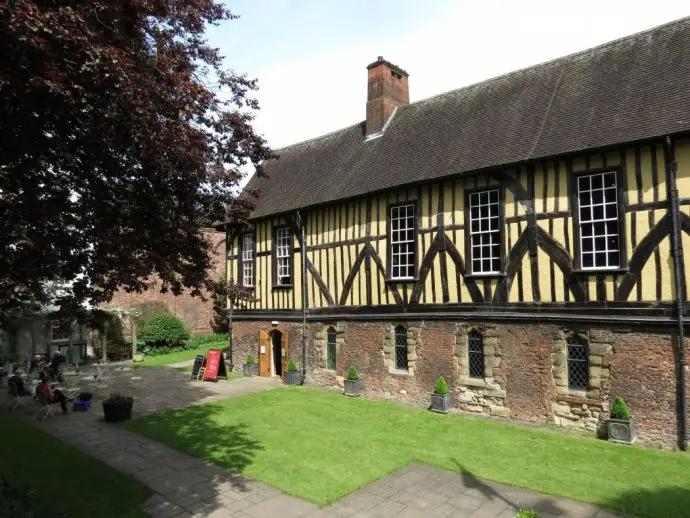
point(321, 446)
point(204, 343)
point(63, 479)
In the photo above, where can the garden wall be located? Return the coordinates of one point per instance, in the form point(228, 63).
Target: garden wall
point(525, 369)
point(194, 312)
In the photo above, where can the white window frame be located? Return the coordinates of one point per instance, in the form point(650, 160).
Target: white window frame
point(482, 224)
point(247, 260)
point(59, 325)
point(283, 256)
point(403, 224)
point(602, 212)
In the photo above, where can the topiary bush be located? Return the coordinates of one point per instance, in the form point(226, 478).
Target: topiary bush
point(620, 410)
point(292, 366)
point(352, 374)
point(441, 386)
point(164, 330)
point(527, 514)
point(249, 360)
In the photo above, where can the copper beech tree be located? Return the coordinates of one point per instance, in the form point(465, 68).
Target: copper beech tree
point(115, 147)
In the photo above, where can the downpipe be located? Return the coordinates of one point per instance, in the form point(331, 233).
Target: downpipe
point(303, 256)
point(677, 253)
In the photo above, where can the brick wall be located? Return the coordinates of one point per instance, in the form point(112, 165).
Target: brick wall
point(195, 313)
point(524, 369)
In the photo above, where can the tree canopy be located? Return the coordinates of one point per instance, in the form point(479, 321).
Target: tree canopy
point(115, 147)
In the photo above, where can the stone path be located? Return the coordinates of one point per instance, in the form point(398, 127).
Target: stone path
point(185, 486)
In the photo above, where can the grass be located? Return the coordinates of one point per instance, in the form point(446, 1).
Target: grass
point(321, 446)
point(202, 343)
point(62, 479)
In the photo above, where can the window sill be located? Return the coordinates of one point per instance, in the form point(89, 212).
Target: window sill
point(282, 287)
point(485, 275)
point(401, 281)
point(600, 271)
point(399, 372)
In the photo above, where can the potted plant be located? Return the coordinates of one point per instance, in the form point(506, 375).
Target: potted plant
point(621, 425)
point(117, 408)
point(292, 376)
point(354, 385)
point(250, 368)
point(441, 398)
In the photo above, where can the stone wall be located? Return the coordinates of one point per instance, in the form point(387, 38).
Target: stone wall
point(525, 374)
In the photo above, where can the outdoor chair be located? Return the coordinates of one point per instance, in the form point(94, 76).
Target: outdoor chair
point(68, 385)
point(46, 407)
point(104, 373)
point(17, 398)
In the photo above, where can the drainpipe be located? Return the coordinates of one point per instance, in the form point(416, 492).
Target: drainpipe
point(303, 256)
point(677, 254)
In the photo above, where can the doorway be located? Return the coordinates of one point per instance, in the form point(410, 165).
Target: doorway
point(277, 353)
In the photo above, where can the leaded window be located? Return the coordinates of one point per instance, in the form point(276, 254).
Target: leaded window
point(283, 256)
point(401, 348)
point(599, 225)
point(248, 260)
point(402, 241)
point(578, 368)
point(330, 348)
point(485, 231)
point(475, 352)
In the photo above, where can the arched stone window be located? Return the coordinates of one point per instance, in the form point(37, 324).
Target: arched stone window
point(401, 348)
point(578, 368)
point(330, 348)
point(475, 353)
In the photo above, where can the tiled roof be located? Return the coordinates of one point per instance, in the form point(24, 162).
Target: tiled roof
point(630, 89)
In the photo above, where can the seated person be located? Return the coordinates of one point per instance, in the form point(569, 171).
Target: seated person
point(58, 359)
point(51, 395)
point(35, 363)
point(19, 382)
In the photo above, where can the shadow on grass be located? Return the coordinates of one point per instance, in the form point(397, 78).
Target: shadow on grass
point(198, 431)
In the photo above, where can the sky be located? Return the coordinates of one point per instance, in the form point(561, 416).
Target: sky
point(310, 56)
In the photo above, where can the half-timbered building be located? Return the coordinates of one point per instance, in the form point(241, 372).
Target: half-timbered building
point(522, 237)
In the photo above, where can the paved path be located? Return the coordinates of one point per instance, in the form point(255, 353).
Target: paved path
point(185, 486)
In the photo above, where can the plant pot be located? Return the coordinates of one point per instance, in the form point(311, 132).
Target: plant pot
point(441, 403)
point(116, 411)
point(354, 387)
point(250, 369)
point(138, 357)
point(621, 430)
point(292, 377)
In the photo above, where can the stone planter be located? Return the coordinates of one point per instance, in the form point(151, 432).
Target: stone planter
point(292, 377)
point(354, 387)
point(118, 410)
point(138, 357)
point(249, 370)
point(621, 430)
point(441, 403)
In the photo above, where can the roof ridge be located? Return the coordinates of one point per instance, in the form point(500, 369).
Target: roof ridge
point(555, 61)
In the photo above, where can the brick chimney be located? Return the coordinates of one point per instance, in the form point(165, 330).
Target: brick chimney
point(387, 90)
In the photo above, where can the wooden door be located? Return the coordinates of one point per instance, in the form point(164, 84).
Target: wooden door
point(284, 353)
point(264, 354)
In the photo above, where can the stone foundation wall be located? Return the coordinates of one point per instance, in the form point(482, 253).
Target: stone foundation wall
point(525, 369)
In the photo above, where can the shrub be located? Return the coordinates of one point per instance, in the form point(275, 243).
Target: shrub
point(292, 366)
point(620, 410)
point(441, 386)
point(250, 360)
point(164, 330)
point(147, 310)
point(527, 514)
point(219, 339)
point(352, 374)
